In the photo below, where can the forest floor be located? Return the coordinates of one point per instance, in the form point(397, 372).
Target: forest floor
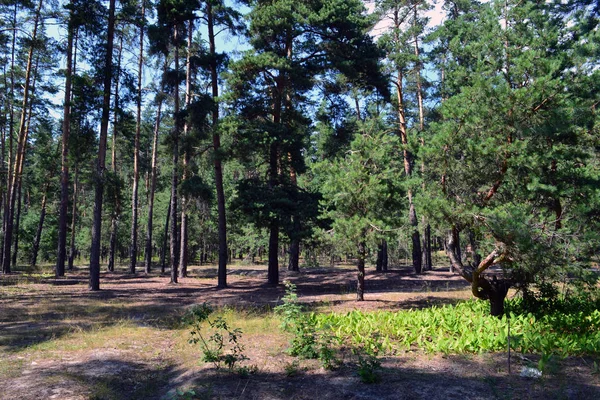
point(60, 341)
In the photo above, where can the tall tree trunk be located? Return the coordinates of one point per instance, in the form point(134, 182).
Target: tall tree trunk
point(360, 282)
point(20, 178)
point(22, 140)
point(174, 248)
point(136, 151)
point(222, 223)
point(183, 251)
point(11, 133)
point(114, 220)
point(163, 254)
point(17, 221)
point(100, 166)
point(73, 219)
point(64, 175)
point(152, 191)
point(38, 235)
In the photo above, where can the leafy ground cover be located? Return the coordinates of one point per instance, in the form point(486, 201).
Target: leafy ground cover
point(57, 340)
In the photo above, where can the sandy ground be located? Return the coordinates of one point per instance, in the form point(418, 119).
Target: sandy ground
point(38, 313)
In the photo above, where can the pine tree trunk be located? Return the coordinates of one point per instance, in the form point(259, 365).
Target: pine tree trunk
point(11, 131)
point(18, 162)
point(295, 250)
point(163, 254)
point(183, 252)
point(379, 263)
point(427, 241)
point(17, 222)
point(152, 191)
point(114, 223)
point(222, 223)
point(360, 282)
point(174, 248)
point(64, 176)
point(100, 166)
point(273, 262)
point(73, 220)
point(38, 235)
point(136, 153)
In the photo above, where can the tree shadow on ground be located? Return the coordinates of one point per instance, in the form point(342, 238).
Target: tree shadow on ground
point(38, 312)
point(98, 378)
point(396, 382)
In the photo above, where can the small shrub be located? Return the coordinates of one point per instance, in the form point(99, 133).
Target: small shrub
point(307, 342)
point(292, 369)
point(368, 367)
point(222, 346)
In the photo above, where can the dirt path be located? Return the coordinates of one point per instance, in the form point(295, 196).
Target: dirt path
point(60, 341)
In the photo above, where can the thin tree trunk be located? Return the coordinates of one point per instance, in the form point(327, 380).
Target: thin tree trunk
point(183, 251)
point(222, 223)
point(38, 235)
point(73, 220)
point(114, 221)
point(360, 282)
point(20, 178)
point(100, 166)
point(174, 248)
point(11, 132)
point(412, 215)
point(152, 191)
point(163, 254)
point(22, 140)
point(17, 222)
point(136, 152)
point(64, 175)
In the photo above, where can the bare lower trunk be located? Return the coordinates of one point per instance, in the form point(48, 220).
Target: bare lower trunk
point(152, 191)
point(163, 254)
point(64, 178)
point(174, 248)
point(273, 269)
point(73, 220)
point(38, 235)
point(17, 223)
point(294, 255)
point(360, 282)
point(222, 223)
point(183, 251)
point(112, 244)
point(21, 144)
point(133, 249)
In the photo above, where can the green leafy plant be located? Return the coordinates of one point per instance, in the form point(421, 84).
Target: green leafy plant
point(368, 366)
point(292, 369)
point(220, 344)
point(306, 341)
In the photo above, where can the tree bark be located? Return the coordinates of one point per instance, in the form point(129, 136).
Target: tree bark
point(136, 151)
point(38, 235)
point(183, 252)
point(222, 223)
point(21, 144)
point(174, 248)
point(295, 250)
point(163, 254)
point(73, 219)
point(64, 176)
point(100, 165)
point(11, 131)
point(360, 283)
point(114, 223)
point(153, 189)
